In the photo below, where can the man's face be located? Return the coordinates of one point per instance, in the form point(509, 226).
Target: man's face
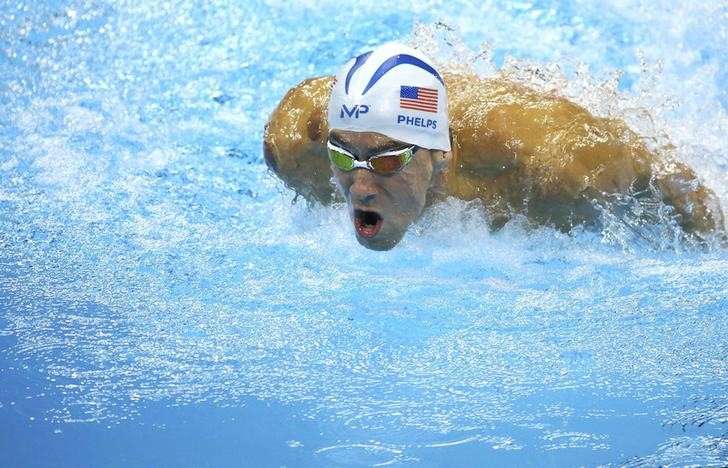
point(381, 206)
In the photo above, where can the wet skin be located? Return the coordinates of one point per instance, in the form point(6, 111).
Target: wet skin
point(382, 207)
point(518, 151)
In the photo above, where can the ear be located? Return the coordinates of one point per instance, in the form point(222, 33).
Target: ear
point(440, 161)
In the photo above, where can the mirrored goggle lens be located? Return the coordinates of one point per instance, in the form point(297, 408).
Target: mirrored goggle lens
point(386, 164)
point(391, 163)
point(341, 160)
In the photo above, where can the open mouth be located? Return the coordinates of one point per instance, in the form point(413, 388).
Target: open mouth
point(367, 223)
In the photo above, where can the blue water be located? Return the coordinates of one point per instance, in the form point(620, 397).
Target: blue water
point(164, 300)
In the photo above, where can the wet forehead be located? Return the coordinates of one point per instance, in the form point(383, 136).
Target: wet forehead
point(364, 143)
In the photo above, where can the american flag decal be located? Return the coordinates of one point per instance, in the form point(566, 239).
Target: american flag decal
point(416, 98)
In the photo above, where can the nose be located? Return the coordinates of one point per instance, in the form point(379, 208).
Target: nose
point(363, 190)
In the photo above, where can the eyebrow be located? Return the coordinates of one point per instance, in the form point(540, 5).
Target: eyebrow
point(370, 151)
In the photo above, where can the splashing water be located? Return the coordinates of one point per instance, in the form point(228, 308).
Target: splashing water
point(157, 285)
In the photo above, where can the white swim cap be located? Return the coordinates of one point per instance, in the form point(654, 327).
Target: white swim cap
point(393, 90)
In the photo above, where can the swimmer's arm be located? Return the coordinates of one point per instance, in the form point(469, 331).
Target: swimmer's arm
point(618, 161)
point(697, 205)
point(294, 144)
point(542, 156)
point(557, 157)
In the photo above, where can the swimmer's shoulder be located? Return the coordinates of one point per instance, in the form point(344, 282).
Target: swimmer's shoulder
point(302, 111)
point(502, 126)
point(294, 142)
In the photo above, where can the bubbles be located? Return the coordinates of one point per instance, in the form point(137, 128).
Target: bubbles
point(700, 451)
point(361, 455)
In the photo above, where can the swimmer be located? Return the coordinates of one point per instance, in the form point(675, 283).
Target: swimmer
point(398, 136)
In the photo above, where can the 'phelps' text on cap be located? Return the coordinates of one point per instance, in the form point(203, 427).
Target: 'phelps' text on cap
point(417, 121)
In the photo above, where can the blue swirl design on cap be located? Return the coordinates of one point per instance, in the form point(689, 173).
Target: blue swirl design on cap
point(400, 59)
point(357, 63)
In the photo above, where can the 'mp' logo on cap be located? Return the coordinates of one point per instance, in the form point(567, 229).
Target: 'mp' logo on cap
point(355, 111)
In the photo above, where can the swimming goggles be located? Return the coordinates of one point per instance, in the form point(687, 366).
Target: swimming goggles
point(383, 163)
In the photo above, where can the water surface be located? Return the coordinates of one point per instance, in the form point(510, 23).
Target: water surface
point(164, 300)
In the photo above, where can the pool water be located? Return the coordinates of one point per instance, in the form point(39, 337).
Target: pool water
point(166, 301)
